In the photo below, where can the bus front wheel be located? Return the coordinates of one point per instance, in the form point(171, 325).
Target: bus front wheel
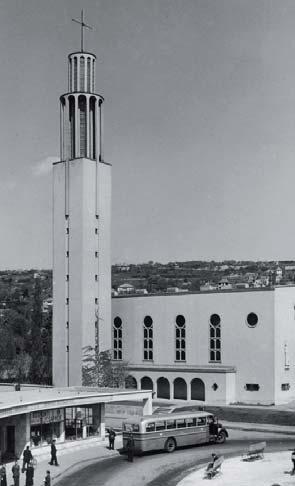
point(170, 445)
point(221, 438)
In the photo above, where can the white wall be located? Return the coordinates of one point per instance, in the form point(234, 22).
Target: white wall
point(59, 338)
point(104, 183)
point(88, 195)
point(250, 350)
point(284, 334)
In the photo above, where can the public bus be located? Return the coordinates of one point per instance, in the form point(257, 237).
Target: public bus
point(157, 432)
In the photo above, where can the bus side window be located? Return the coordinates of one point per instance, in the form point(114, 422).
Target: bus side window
point(201, 421)
point(180, 423)
point(135, 428)
point(150, 427)
point(191, 422)
point(170, 424)
point(160, 425)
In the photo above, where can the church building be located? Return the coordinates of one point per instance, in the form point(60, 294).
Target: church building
point(219, 346)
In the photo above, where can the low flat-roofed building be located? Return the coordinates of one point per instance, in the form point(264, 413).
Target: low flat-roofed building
point(36, 415)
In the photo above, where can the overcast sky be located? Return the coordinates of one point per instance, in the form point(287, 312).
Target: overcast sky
point(199, 125)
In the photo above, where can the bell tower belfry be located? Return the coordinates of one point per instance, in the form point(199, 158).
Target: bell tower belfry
point(81, 225)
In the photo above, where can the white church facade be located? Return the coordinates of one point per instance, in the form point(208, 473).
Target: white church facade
point(221, 346)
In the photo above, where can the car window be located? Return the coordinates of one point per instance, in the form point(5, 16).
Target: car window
point(191, 422)
point(150, 427)
point(160, 425)
point(170, 424)
point(201, 421)
point(180, 423)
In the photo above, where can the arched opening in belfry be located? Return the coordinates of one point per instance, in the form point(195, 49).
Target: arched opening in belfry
point(180, 389)
point(146, 383)
point(72, 128)
point(163, 388)
point(197, 389)
point(92, 128)
point(83, 126)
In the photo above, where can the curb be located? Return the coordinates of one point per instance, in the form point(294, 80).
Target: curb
point(257, 429)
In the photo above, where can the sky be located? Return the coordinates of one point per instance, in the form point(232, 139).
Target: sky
point(199, 119)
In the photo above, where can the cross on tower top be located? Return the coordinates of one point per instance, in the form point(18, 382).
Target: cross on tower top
point(83, 26)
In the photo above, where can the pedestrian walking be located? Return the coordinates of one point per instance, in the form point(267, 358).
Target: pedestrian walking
point(112, 436)
point(3, 480)
point(27, 458)
point(130, 448)
point(53, 454)
point(47, 479)
point(15, 473)
point(30, 474)
point(293, 461)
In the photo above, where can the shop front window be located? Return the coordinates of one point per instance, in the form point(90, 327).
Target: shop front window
point(45, 426)
point(79, 423)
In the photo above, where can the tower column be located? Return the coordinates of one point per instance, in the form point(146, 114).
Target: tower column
point(88, 149)
point(82, 192)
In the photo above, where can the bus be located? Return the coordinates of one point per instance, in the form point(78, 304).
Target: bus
point(166, 432)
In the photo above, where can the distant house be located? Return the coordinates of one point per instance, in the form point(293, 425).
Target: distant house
point(123, 268)
point(126, 288)
point(241, 285)
point(207, 286)
point(224, 284)
point(141, 291)
point(174, 290)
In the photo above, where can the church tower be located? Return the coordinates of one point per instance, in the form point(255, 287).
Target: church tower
point(81, 225)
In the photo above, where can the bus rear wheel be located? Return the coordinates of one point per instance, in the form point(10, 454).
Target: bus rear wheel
point(170, 445)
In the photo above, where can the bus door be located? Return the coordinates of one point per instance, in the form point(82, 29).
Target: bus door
point(202, 429)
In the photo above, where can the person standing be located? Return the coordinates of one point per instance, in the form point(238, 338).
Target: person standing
point(53, 454)
point(15, 473)
point(130, 448)
point(47, 480)
point(27, 458)
point(30, 474)
point(112, 436)
point(293, 461)
point(3, 481)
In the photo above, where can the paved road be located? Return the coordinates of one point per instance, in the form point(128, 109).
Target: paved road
point(162, 469)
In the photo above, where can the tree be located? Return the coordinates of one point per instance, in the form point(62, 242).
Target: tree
point(37, 363)
point(101, 370)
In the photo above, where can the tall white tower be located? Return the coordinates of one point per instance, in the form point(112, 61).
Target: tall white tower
point(81, 226)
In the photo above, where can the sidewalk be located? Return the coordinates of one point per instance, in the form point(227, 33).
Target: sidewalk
point(274, 469)
point(87, 451)
point(70, 459)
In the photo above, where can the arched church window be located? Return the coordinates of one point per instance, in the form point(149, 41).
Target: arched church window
point(117, 338)
point(148, 338)
point(180, 338)
point(215, 338)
